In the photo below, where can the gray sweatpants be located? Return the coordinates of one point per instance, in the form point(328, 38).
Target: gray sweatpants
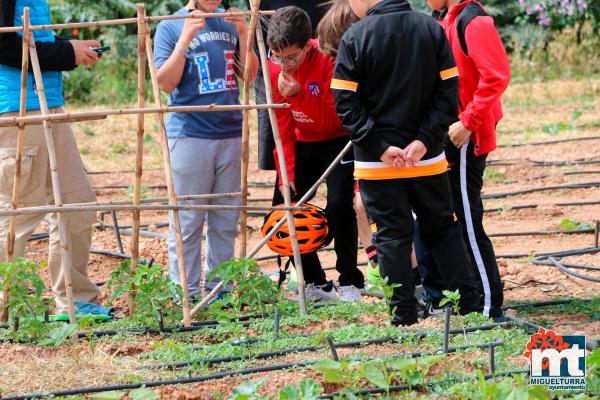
point(202, 166)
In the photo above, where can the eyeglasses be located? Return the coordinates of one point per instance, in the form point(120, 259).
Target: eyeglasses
point(291, 59)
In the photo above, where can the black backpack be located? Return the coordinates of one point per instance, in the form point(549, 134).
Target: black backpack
point(467, 15)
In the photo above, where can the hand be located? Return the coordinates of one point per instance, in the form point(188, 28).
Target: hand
point(293, 191)
point(394, 157)
point(239, 22)
point(191, 26)
point(83, 53)
point(414, 152)
point(459, 134)
point(287, 85)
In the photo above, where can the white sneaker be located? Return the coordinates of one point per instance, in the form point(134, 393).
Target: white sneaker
point(322, 292)
point(349, 293)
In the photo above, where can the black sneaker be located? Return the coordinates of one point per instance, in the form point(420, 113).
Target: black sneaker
point(429, 310)
point(500, 318)
point(406, 319)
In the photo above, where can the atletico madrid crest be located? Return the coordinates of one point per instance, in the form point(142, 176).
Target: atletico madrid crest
point(313, 88)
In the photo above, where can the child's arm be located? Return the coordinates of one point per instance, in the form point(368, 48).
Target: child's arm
point(287, 132)
point(355, 118)
point(170, 56)
point(443, 109)
point(488, 54)
point(239, 23)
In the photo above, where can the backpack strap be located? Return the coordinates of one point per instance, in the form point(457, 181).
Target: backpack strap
point(468, 14)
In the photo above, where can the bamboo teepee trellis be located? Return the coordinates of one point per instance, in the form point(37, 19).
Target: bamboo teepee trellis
point(145, 59)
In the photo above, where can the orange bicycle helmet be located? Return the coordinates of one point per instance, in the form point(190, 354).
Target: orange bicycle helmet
point(312, 231)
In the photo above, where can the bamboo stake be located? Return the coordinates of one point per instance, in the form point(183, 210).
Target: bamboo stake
point(283, 170)
point(128, 21)
point(209, 196)
point(100, 114)
point(10, 248)
point(139, 149)
point(246, 127)
point(65, 250)
point(164, 144)
point(260, 245)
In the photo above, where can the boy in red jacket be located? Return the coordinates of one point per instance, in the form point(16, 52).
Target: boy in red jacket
point(312, 137)
point(484, 73)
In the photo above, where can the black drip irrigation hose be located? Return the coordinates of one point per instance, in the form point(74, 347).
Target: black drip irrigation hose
point(568, 173)
point(552, 261)
point(425, 385)
point(563, 163)
point(354, 343)
point(537, 304)
point(203, 378)
point(120, 171)
point(529, 326)
point(584, 185)
point(554, 254)
point(577, 139)
point(535, 163)
point(118, 187)
point(569, 204)
point(196, 326)
point(542, 233)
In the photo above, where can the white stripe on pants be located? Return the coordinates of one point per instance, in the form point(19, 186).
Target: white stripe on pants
point(487, 293)
point(202, 166)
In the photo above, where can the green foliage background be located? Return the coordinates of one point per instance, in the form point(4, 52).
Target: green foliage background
point(565, 48)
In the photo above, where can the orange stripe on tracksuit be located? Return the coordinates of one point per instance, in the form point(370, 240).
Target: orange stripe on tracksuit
point(380, 171)
point(344, 85)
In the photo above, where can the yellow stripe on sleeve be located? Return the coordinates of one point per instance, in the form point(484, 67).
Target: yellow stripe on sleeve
point(344, 85)
point(449, 73)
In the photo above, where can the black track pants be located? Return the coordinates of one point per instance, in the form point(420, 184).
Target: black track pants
point(466, 179)
point(389, 204)
point(312, 159)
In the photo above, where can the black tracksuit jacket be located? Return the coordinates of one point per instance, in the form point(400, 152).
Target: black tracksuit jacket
point(395, 80)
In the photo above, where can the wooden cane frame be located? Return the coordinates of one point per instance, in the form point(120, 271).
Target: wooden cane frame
point(145, 57)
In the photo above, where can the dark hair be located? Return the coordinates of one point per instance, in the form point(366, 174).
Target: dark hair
point(289, 26)
point(334, 23)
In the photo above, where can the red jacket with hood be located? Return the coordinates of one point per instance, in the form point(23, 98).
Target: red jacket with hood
point(484, 71)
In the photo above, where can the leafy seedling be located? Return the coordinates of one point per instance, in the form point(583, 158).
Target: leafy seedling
point(382, 285)
point(155, 292)
point(247, 391)
point(452, 298)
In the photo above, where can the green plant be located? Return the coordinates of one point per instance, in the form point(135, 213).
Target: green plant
point(493, 175)
point(382, 285)
point(155, 292)
point(119, 148)
point(143, 191)
point(555, 128)
point(17, 278)
point(307, 390)
point(380, 373)
point(88, 131)
point(25, 288)
point(251, 288)
point(571, 225)
point(59, 335)
point(247, 391)
point(452, 298)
